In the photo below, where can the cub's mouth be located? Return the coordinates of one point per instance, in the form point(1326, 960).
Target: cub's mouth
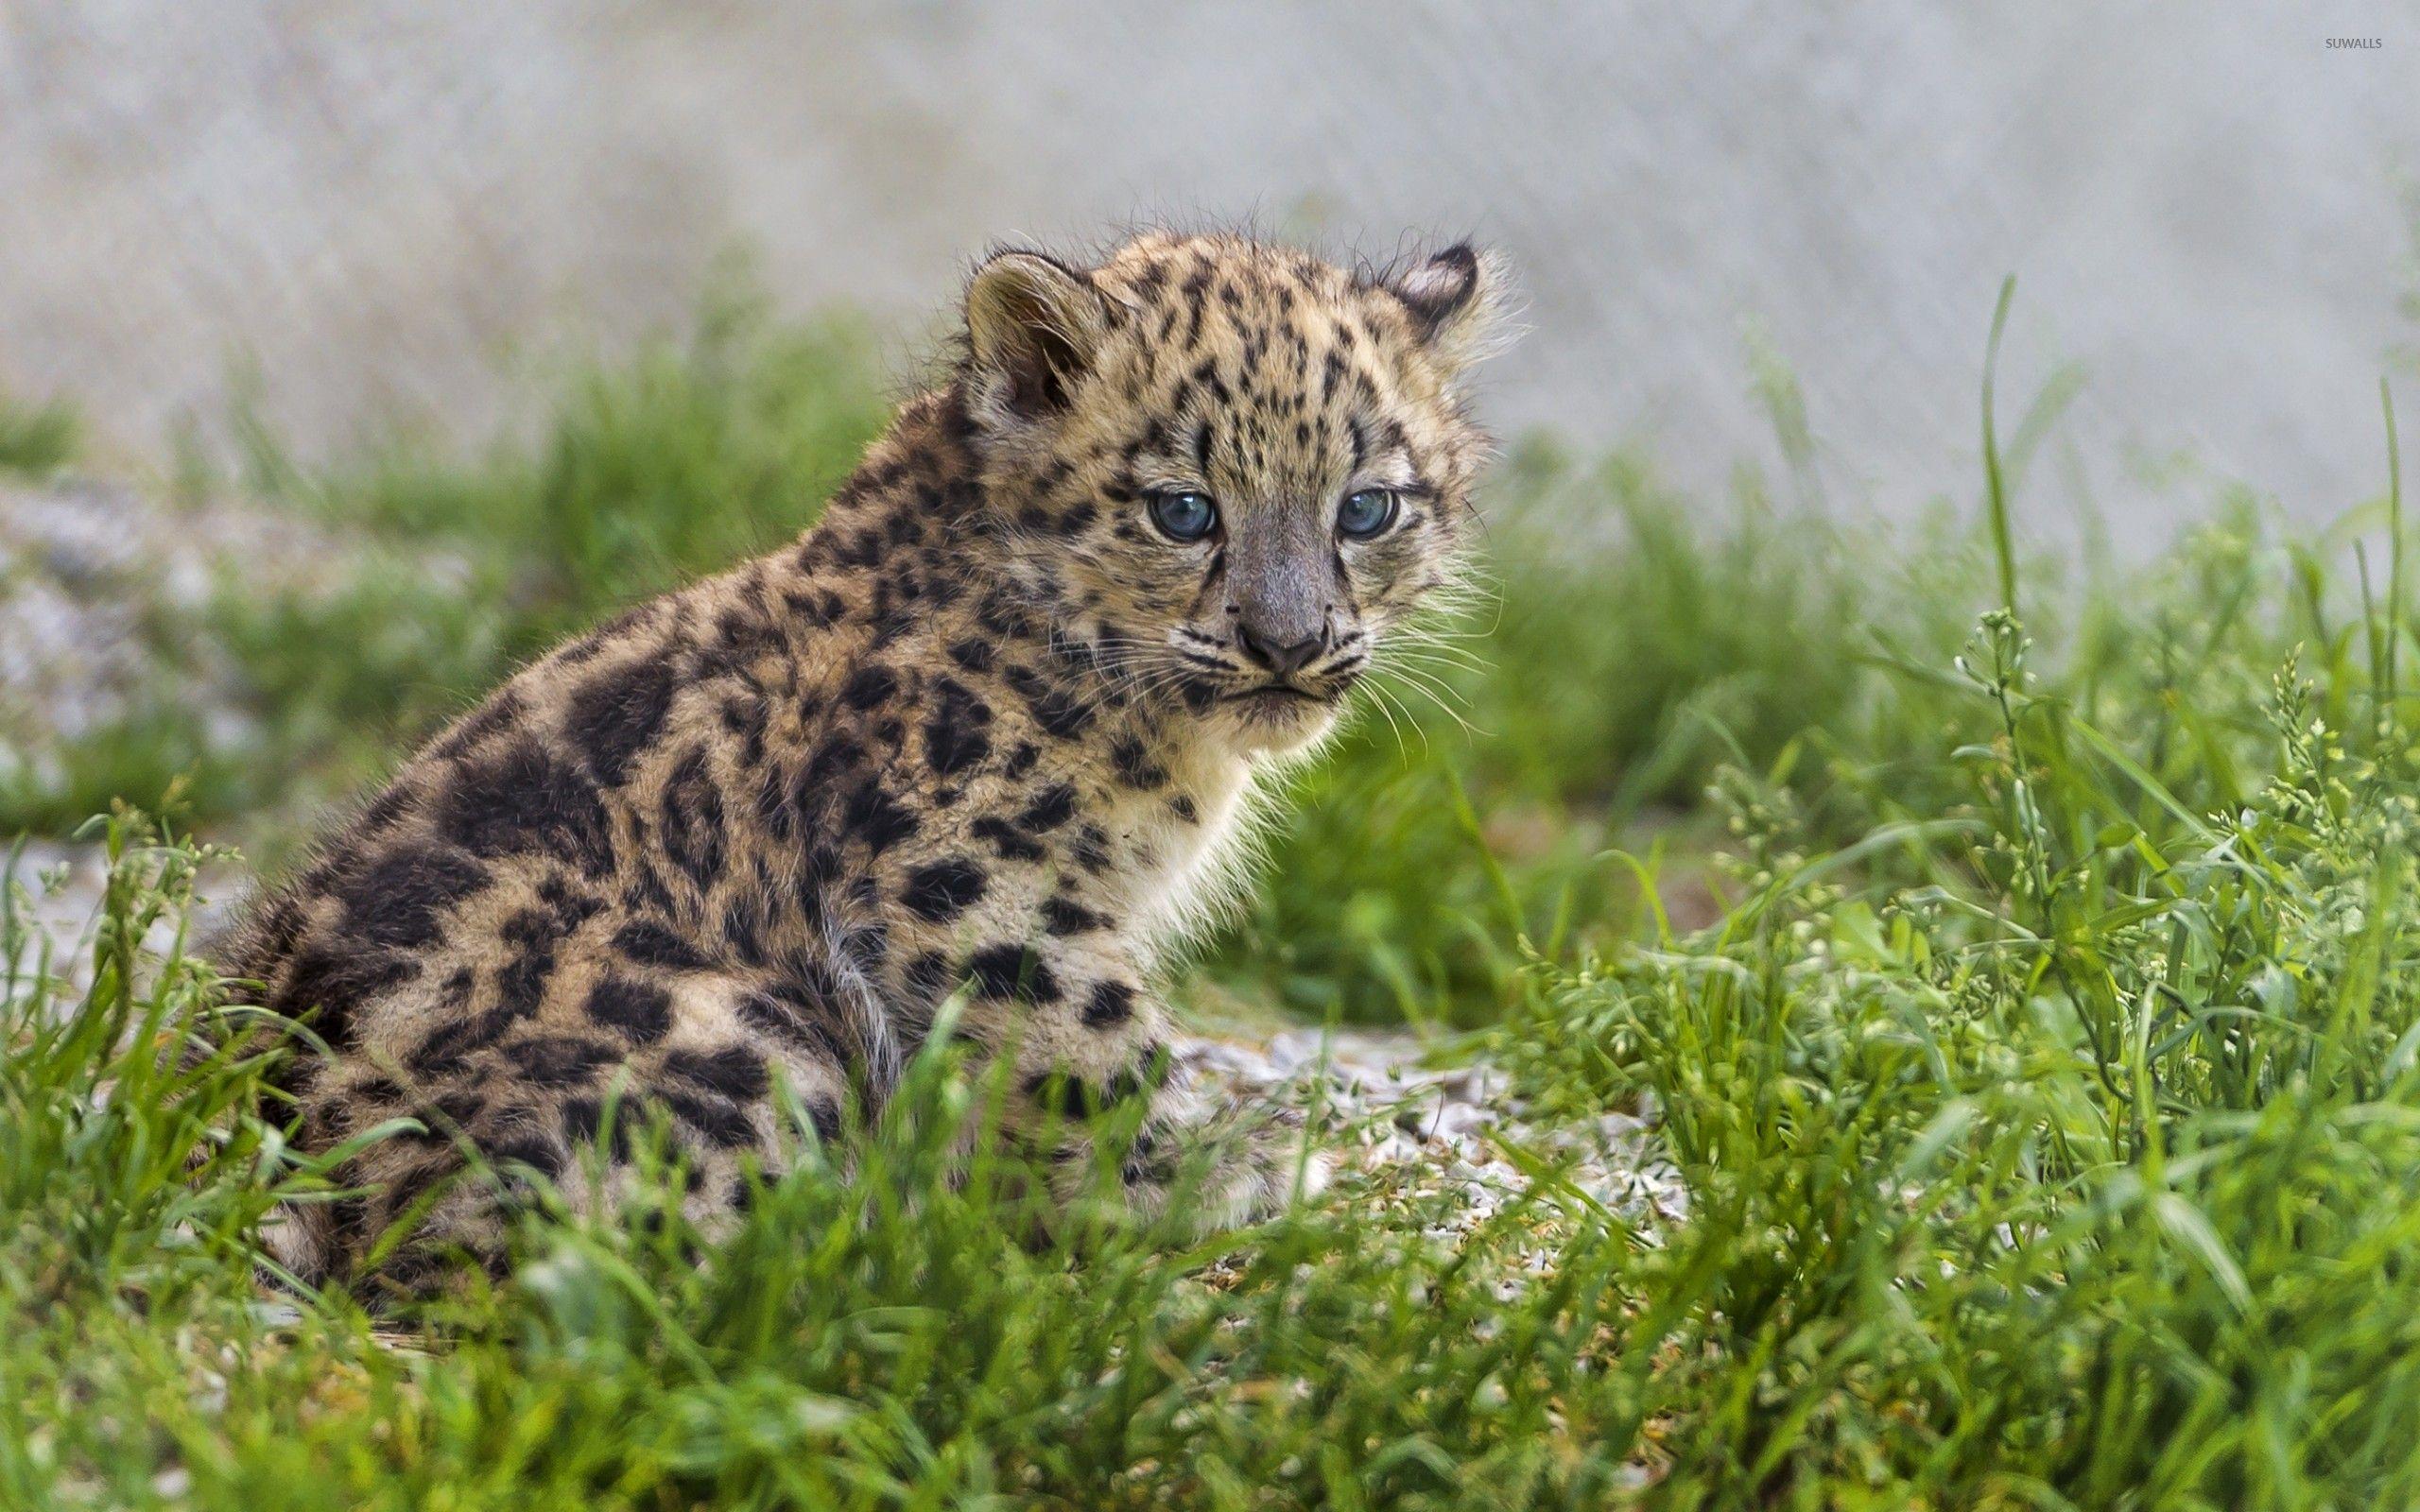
point(1275, 700)
point(1278, 716)
point(1276, 690)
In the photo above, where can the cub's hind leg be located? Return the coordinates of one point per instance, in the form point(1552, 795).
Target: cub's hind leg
point(683, 1062)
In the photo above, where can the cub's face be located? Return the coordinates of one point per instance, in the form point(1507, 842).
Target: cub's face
point(1229, 471)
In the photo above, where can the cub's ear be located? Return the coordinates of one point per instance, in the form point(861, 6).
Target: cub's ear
point(1032, 328)
point(1456, 298)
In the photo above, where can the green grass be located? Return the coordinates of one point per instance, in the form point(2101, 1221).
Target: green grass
point(2030, 1008)
point(38, 440)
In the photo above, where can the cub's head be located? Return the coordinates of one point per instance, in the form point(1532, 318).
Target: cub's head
point(1227, 471)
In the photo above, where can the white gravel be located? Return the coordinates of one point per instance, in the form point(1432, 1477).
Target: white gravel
point(77, 585)
point(101, 586)
point(1415, 1129)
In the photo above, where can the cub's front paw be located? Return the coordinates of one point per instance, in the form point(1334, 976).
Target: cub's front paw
point(1236, 1164)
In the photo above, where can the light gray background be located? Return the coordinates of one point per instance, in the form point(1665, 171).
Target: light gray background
point(380, 207)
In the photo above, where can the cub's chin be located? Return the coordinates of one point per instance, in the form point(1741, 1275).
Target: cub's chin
point(1271, 722)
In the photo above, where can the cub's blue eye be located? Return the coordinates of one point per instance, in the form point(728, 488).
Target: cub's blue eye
point(1182, 514)
point(1366, 512)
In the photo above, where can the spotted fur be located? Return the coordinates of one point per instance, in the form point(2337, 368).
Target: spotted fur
point(984, 729)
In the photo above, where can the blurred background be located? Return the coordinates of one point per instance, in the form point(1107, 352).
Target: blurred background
point(355, 213)
point(350, 353)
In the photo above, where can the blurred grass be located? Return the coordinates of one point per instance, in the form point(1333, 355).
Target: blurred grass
point(690, 454)
point(37, 439)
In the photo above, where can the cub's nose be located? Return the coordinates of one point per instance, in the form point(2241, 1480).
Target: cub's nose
point(1282, 658)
